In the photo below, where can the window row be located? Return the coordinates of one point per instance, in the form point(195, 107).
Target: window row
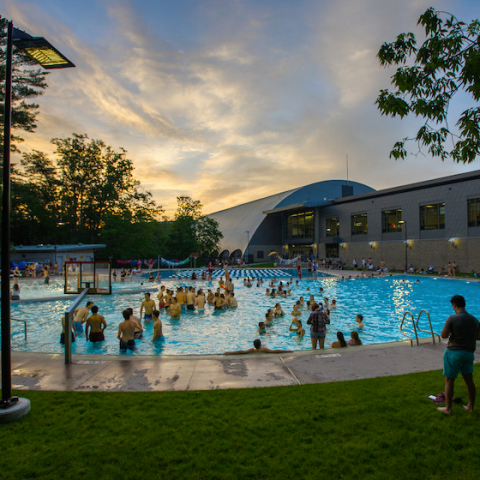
point(432, 217)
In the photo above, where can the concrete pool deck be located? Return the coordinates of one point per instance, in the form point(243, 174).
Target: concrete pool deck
point(40, 371)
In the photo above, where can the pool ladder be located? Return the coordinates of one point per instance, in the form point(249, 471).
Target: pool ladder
point(24, 323)
point(416, 328)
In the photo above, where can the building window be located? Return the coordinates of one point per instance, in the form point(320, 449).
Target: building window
point(359, 224)
point(260, 254)
point(300, 224)
point(390, 219)
point(432, 217)
point(333, 227)
point(474, 212)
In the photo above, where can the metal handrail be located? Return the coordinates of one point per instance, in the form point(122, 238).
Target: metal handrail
point(414, 328)
point(25, 324)
point(68, 325)
point(431, 328)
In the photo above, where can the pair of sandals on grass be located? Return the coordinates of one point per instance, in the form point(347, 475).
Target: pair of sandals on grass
point(440, 398)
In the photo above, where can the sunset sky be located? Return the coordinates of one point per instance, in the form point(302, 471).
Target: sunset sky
point(228, 101)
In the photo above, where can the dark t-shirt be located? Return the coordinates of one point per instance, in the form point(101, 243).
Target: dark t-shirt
point(464, 328)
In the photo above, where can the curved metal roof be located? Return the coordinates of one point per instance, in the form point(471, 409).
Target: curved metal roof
point(235, 222)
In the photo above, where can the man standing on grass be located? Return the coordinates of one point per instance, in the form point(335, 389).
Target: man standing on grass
point(462, 331)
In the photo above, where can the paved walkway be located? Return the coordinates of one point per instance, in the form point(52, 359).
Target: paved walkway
point(36, 371)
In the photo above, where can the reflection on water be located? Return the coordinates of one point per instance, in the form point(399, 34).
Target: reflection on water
point(382, 302)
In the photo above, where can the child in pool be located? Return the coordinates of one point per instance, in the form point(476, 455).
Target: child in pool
point(299, 330)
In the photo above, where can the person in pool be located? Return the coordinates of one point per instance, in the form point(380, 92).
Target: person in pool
point(149, 305)
point(299, 330)
point(257, 344)
point(262, 328)
point(157, 327)
point(96, 324)
point(126, 331)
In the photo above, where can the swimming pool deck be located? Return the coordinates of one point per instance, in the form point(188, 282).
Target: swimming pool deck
point(40, 371)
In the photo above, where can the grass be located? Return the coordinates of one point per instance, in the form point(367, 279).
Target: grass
point(384, 428)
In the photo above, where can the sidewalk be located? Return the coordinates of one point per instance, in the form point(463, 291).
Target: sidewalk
point(36, 371)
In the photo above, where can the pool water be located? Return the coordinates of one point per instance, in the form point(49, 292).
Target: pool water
point(381, 300)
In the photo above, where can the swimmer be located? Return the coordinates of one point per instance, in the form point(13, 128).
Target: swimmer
point(257, 349)
point(126, 331)
point(62, 336)
point(333, 304)
point(80, 316)
point(326, 302)
point(262, 328)
point(181, 299)
point(200, 300)
point(278, 310)
point(138, 329)
point(232, 301)
point(299, 330)
point(151, 278)
point(15, 293)
point(210, 297)
point(301, 302)
point(267, 292)
point(359, 320)
point(157, 327)
point(175, 309)
point(149, 305)
point(296, 309)
point(190, 298)
point(97, 324)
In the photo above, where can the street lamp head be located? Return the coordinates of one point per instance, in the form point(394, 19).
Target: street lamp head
point(40, 50)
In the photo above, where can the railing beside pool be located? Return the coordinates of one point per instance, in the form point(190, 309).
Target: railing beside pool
point(68, 325)
point(416, 328)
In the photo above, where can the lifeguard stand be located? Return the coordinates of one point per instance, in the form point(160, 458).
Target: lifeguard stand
point(92, 275)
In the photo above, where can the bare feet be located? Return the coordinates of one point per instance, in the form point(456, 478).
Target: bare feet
point(467, 408)
point(444, 410)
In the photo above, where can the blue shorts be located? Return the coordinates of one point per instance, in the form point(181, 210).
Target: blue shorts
point(317, 334)
point(78, 327)
point(147, 316)
point(457, 361)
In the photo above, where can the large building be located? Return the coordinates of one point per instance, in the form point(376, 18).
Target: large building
point(423, 223)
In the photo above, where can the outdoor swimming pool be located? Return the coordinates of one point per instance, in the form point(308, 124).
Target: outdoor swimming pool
point(381, 300)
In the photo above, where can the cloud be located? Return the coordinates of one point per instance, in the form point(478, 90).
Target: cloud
point(228, 102)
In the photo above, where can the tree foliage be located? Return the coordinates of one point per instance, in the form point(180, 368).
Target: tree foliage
point(27, 83)
point(86, 194)
point(429, 76)
point(192, 232)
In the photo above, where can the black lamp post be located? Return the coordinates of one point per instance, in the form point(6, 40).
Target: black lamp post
point(404, 222)
point(48, 57)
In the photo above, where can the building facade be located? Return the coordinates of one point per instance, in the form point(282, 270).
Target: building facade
point(424, 223)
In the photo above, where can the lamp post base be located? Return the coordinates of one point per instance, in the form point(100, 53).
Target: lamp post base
point(14, 410)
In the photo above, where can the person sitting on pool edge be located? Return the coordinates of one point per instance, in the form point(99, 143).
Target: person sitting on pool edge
point(97, 324)
point(257, 349)
point(355, 339)
point(299, 330)
point(340, 343)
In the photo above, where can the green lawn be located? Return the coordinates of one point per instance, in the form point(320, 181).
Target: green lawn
point(378, 428)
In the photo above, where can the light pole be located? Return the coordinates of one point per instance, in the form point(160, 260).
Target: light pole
point(404, 222)
point(48, 57)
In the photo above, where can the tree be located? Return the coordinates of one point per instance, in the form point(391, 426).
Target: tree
point(446, 64)
point(192, 232)
point(27, 83)
point(89, 188)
